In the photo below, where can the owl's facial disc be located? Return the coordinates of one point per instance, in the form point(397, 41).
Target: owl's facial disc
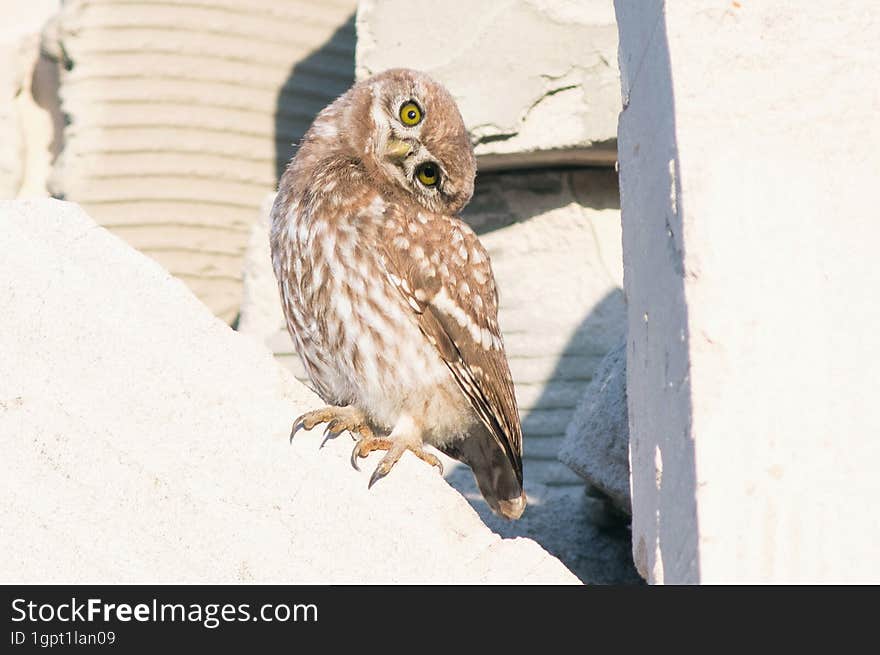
point(418, 142)
point(406, 159)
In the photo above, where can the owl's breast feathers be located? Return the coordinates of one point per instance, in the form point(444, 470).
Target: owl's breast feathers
point(443, 271)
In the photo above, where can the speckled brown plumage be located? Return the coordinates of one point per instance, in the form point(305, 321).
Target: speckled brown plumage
point(389, 297)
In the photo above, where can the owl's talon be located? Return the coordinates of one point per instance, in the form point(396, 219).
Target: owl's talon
point(338, 420)
point(355, 453)
point(309, 420)
point(365, 445)
point(296, 427)
point(328, 435)
point(332, 431)
point(395, 450)
point(380, 472)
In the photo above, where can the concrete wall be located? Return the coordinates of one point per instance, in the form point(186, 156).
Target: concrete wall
point(181, 117)
point(748, 152)
point(536, 80)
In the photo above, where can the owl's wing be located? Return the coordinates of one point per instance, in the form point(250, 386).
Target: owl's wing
point(444, 273)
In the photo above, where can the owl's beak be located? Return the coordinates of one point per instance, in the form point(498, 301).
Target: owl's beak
point(397, 150)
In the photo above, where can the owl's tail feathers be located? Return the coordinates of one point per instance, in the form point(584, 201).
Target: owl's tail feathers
point(493, 471)
point(511, 509)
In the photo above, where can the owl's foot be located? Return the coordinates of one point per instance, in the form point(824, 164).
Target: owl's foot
point(395, 448)
point(338, 419)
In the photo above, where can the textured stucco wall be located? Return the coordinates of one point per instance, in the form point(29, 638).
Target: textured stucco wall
point(747, 154)
point(181, 115)
point(536, 80)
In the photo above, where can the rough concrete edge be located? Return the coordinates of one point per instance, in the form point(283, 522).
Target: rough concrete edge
point(541, 564)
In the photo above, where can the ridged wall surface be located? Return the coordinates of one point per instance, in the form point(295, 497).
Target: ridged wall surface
point(182, 113)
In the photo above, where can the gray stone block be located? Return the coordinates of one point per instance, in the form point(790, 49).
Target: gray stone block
point(596, 445)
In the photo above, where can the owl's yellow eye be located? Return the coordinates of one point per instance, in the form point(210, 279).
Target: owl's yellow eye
point(410, 114)
point(428, 174)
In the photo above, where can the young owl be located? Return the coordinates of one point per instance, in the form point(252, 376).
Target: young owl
point(389, 297)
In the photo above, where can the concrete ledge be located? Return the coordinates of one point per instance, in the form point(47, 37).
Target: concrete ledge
point(145, 441)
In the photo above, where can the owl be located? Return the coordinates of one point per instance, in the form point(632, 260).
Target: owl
point(388, 295)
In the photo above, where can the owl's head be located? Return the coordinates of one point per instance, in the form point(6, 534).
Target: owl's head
point(413, 138)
